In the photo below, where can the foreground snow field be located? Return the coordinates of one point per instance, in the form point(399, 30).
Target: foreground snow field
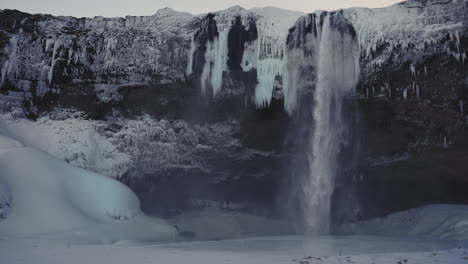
point(269, 250)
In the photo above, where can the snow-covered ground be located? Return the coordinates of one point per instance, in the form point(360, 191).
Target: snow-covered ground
point(269, 250)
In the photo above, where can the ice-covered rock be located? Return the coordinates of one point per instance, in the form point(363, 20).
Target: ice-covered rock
point(170, 46)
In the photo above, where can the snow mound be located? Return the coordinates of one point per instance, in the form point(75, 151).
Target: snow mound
point(44, 196)
point(443, 221)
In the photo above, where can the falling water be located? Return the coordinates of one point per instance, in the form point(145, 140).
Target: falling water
point(337, 74)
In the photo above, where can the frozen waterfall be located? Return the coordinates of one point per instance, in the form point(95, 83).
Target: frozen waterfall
point(215, 63)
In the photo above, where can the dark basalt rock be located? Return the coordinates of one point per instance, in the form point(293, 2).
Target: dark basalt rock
point(405, 160)
point(237, 37)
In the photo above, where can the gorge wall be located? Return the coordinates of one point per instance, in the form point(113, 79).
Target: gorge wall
point(214, 110)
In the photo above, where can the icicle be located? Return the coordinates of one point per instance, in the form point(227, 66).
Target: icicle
point(460, 103)
point(417, 91)
point(445, 143)
point(216, 56)
point(11, 64)
point(266, 56)
point(111, 44)
point(250, 56)
point(457, 39)
point(413, 70)
point(191, 53)
point(48, 43)
point(267, 71)
point(57, 45)
point(70, 55)
point(405, 93)
point(425, 70)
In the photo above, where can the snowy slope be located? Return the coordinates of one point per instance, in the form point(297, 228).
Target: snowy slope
point(442, 221)
point(48, 197)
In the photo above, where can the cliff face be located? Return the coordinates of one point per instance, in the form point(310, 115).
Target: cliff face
point(212, 105)
point(412, 93)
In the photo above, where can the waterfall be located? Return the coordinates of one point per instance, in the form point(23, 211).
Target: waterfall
point(318, 65)
point(333, 61)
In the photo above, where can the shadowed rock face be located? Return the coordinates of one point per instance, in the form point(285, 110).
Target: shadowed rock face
point(408, 143)
point(410, 105)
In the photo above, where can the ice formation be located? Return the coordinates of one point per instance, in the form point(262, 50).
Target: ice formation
point(267, 54)
point(216, 57)
point(10, 65)
point(411, 25)
point(191, 54)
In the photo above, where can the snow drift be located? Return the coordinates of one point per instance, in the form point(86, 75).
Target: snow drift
point(43, 196)
point(442, 221)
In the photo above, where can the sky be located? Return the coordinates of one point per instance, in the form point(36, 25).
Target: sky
point(114, 8)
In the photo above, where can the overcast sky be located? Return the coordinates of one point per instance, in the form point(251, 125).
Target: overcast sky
point(111, 8)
